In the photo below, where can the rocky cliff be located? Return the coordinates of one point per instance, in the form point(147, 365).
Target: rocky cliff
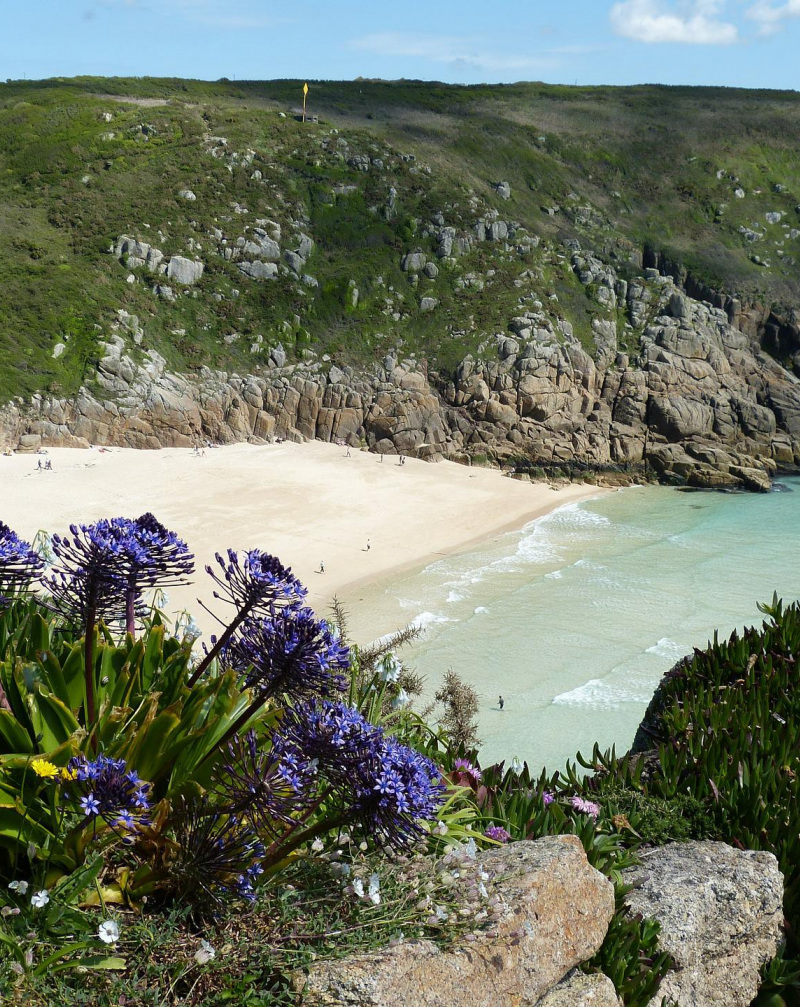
point(700, 402)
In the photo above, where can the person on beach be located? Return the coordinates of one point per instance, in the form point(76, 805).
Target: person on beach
point(501, 702)
point(367, 548)
point(322, 566)
point(39, 466)
point(348, 453)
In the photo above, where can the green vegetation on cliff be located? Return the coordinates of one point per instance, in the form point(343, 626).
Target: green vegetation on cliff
point(690, 174)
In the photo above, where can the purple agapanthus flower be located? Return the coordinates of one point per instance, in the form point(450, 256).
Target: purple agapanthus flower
point(394, 792)
point(218, 855)
point(270, 785)
point(333, 734)
point(547, 798)
point(290, 652)
point(88, 577)
point(256, 585)
point(153, 557)
point(497, 833)
point(20, 564)
point(103, 569)
point(109, 791)
point(585, 807)
point(90, 805)
point(385, 786)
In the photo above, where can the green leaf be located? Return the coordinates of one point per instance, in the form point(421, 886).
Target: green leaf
point(51, 718)
point(72, 886)
point(13, 736)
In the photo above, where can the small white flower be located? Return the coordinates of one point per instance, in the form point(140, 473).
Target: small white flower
point(440, 829)
point(441, 914)
point(363, 847)
point(40, 899)
point(358, 887)
point(516, 766)
point(318, 846)
point(205, 953)
point(390, 669)
point(401, 699)
point(470, 849)
point(374, 890)
point(108, 932)
point(482, 891)
point(20, 887)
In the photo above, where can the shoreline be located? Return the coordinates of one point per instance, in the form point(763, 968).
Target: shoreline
point(367, 520)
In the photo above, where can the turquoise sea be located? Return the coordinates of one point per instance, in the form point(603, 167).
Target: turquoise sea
point(575, 618)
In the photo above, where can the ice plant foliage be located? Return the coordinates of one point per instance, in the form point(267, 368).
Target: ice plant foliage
point(20, 564)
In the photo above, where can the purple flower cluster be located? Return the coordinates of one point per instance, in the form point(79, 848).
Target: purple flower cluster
point(268, 785)
point(289, 652)
point(387, 787)
point(102, 570)
point(19, 562)
point(497, 833)
point(109, 791)
point(256, 585)
point(218, 855)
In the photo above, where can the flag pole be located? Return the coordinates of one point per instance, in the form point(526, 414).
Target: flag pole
point(305, 95)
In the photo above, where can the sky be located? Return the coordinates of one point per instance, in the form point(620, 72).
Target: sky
point(742, 43)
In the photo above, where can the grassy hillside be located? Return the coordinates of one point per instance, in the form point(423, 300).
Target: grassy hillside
point(86, 160)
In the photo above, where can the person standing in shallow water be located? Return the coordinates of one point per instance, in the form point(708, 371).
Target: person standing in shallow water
point(501, 702)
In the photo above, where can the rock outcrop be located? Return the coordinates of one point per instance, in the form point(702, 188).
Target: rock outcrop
point(556, 909)
point(721, 914)
point(699, 403)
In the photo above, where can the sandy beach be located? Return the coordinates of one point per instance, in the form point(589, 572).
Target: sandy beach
point(308, 504)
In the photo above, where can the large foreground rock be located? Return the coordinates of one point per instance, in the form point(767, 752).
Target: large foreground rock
point(720, 912)
point(556, 913)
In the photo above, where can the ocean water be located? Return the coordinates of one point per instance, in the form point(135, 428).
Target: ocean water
point(575, 618)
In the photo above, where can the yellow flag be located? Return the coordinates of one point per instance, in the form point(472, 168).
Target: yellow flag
point(305, 89)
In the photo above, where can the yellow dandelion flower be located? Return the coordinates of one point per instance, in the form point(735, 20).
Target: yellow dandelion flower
point(45, 769)
point(69, 774)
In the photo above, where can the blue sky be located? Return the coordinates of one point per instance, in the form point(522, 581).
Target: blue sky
point(748, 43)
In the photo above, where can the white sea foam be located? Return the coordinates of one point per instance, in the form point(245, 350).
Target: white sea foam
point(667, 648)
point(454, 596)
point(425, 620)
point(599, 695)
point(554, 575)
point(481, 610)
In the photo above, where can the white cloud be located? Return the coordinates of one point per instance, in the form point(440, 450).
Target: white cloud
point(452, 49)
point(693, 22)
point(769, 15)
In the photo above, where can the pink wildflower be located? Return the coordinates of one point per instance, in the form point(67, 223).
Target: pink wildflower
point(586, 807)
